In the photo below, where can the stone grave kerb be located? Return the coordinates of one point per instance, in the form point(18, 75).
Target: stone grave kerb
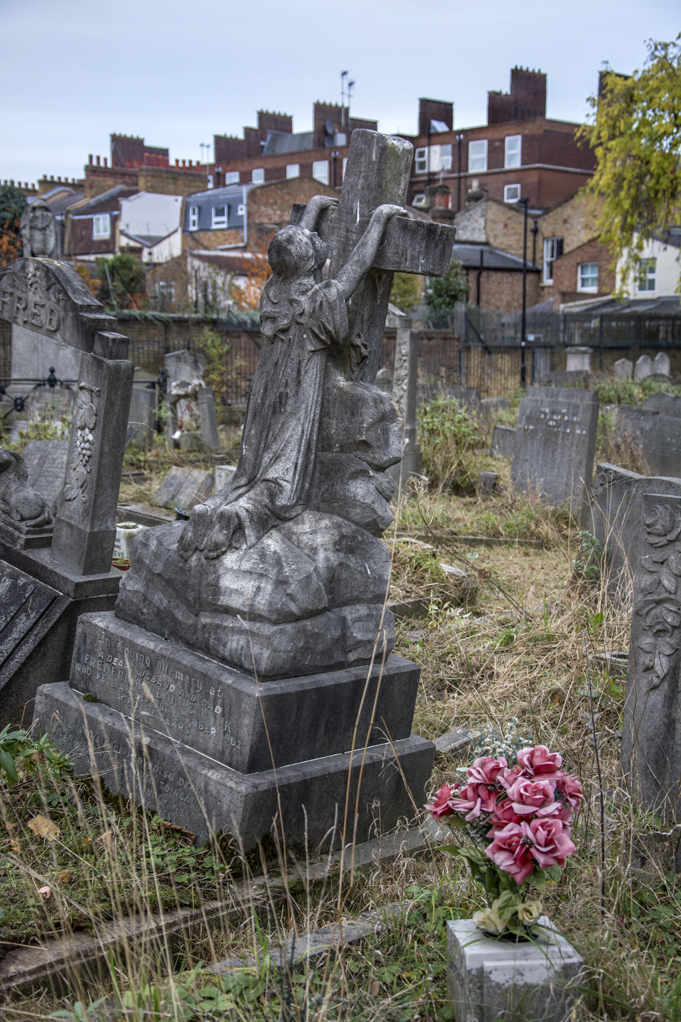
point(51, 299)
point(378, 171)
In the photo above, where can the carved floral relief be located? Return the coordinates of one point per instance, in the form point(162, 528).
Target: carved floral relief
point(658, 601)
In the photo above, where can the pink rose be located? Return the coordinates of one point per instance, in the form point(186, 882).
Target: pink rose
point(503, 814)
point(486, 769)
point(441, 806)
point(570, 790)
point(528, 796)
point(550, 839)
point(510, 851)
point(474, 799)
point(507, 778)
point(539, 762)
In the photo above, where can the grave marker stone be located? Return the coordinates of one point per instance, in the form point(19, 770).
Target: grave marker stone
point(142, 416)
point(656, 433)
point(270, 600)
point(555, 444)
point(643, 368)
point(578, 360)
point(46, 464)
point(614, 516)
point(405, 396)
point(184, 488)
point(662, 364)
point(49, 298)
point(503, 442)
point(624, 367)
point(651, 749)
point(224, 474)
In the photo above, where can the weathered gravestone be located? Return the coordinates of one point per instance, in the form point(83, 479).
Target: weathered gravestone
point(405, 396)
point(614, 518)
point(555, 444)
point(651, 729)
point(655, 429)
point(254, 639)
point(73, 574)
point(46, 464)
point(142, 416)
point(624, 367)
point(184, 488)
point(503, 442)
point(578, 360)
point(643, 368)
point(191, 402)
point(662, 364)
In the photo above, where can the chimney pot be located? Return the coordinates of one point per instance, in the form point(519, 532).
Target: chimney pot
point(98, 163)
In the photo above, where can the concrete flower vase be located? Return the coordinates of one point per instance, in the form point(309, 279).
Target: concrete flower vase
point(526, 981)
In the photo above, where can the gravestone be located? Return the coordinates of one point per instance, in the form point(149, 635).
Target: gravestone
point(493, 405)
point(209, 422)
point(468, 396)
point(142, 416)
point(191, 402)
point(74, 572)
point(224, 475)
point(651, 748)
point(46, 464)
point(254, 639)
point(662, 364)
point(184, 488)
point(656, 433)
point(643, 368)
point(624, 367)
point(405, 396)
point(614, 518)
point(503, 442)
point(578, 360)
point(555, 444)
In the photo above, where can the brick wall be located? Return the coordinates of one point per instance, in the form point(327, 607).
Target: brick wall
point(502, 290)
point(566, 273)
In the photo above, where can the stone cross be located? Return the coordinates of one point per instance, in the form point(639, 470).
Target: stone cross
point(50, 298)
point(378, 171)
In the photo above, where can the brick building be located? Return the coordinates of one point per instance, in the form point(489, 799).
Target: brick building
point(273, 151)
point(519, 152)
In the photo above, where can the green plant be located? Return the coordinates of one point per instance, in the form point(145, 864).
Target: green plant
point(588, 564)
point(215, 349)
point(442, 293)
point(452, 441)
point(122, 281)
point(18, 749)
point(405, 292)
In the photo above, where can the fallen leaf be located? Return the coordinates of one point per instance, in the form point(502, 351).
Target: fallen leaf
point(375, 988)
point(44, 828)
point(106, 840)
point(15, 846)
point(64, 876)
point(555, 698)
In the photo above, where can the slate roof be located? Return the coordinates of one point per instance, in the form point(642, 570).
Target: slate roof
point(665, 305)
point(493, 258)
point(280, 142)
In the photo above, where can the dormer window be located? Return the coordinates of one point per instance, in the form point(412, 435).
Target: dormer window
point(219, 217)
point(193, 218)
point(101, 226)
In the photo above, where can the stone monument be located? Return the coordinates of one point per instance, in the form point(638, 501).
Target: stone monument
point(555, 443)
point(49, 579)
point(651, 730)
point(257, 634)
point(578, 359)
point(190, 401)
point(655, 429)
point(405, 395)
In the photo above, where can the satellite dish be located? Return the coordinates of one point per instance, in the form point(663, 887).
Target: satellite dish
point(329, 126)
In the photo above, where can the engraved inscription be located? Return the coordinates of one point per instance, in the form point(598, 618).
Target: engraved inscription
point(32, 300)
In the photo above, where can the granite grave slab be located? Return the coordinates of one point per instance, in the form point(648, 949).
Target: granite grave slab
point(656, 432)
point(184, 488)
point(555, 445)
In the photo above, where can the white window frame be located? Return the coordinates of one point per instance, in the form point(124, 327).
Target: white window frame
point(477, 156)
point(320, 171)
point(232, 177)
point(292, 170)
point(193, 218)
point(258, 176)
point(219, 221)
point(513, 151)
point(550, 256)
point(421, 161)
point(582, 274)
point(644, 268)
point(241, 209)
point(512, 197)
point(101, 226)
point(446, 156)
point(210, 181)
point(419, 199)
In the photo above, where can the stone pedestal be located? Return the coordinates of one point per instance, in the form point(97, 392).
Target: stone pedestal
point(210, 748)
point(491, 979)
point(578, 360)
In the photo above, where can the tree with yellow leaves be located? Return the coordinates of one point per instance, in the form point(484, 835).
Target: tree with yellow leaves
point(636, 136)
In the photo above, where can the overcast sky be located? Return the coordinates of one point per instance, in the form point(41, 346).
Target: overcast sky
point(176, 72)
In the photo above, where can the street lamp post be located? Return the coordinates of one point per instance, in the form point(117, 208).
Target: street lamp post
point(523, 375)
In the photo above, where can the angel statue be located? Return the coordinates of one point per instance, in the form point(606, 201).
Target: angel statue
point(302, 316)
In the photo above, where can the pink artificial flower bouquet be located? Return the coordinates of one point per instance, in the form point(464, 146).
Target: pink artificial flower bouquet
point(518, 819)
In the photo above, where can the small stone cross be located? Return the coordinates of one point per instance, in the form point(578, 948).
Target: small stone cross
point(378, 171)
